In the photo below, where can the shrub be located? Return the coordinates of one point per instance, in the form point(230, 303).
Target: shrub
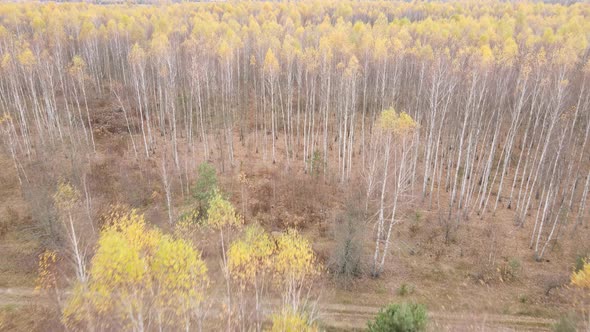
point(580, 261)
point(417, 216)
point(565, 323)
point(191, 216)
point(316, 164)
point(511, 270)
point(581, 278)
point(346, 257)
point(405, 289)
point(399, 318)
point(415, 222)
point(205, 186)
point(291, 322)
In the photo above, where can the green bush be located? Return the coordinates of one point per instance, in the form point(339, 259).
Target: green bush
point(400, 318)
point(415, 223)
point(510, 271)
point(566, 323)
point(205, 187)
point(191, 216)
point(316, 164)
point(580, 260)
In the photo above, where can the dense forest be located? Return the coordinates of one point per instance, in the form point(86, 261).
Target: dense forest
point(476, 112)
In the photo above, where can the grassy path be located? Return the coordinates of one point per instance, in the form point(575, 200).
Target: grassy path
point(346, 317)
point(338, 317)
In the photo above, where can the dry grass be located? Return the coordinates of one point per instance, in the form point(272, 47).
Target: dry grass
point(19, 243)
point(28, 318)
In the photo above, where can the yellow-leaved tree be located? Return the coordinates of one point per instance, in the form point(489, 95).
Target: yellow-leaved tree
point(66, 198)
point(222, 217)
point(249, 263)
point(290, 260)
point(393, 140)
point(295, 266)
point(138, 275)
point(77, 70)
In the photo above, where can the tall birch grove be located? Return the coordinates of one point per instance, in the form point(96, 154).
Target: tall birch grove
point(245, 165)
point(497, 94)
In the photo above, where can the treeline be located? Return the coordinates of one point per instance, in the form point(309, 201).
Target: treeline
point(499, 92)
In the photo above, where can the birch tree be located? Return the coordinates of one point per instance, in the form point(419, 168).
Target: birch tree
point(395, 132)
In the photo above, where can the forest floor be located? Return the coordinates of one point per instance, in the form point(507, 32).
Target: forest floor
point(483, 277)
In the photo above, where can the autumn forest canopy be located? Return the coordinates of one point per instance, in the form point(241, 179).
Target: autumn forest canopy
point(175, 157)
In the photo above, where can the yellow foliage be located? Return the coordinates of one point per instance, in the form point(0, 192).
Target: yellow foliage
point(325, 49)
point(353, 67)
point(132, 225)
point(37, 23)
point(289, 321)
point(221, 213)
point(250, 256)
point(425, 52)
point(224, 50)
point(271, 64)
point(134, 266)
point(548, 36)
point(311, 58)
point(179, 273)
point(486, 54)
point(27, 58)
point(66, 196)
point(76, 311)
point(77, 66)
point(159, 45)
point(137, 54)
point(329, 27)
point(582, 277)
point(46, 275)
point(87, 30)
point(509, 51)
point(118, 262)
point(6, 60)
point(5, 118)
point(3, 31)
point(405, 123)
point(185, 228)
point(566, 56)
point(400, 124)
point(189, 217)
point(295, 259)
point(243, 178)
point(387, 119)
point(114, 214)
point(381, 48)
